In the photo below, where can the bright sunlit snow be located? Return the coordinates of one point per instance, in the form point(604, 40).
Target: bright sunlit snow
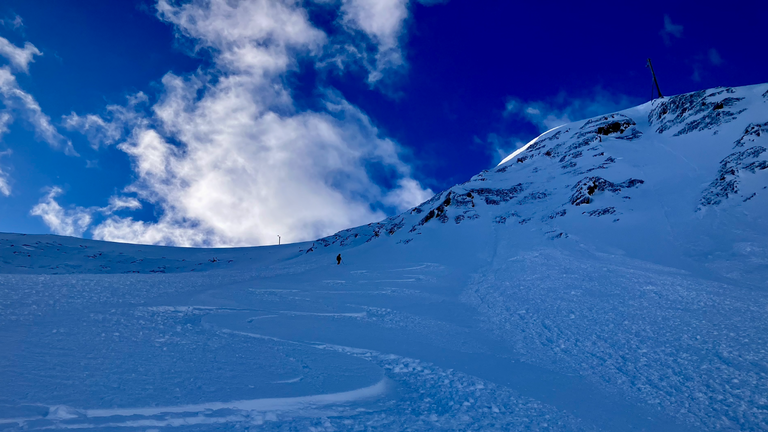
point(609, 276)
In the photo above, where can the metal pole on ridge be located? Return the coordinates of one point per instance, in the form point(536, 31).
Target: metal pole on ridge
point(655, 81)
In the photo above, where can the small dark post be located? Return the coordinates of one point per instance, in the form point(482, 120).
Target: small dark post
point(278, 239)
point(655, 82)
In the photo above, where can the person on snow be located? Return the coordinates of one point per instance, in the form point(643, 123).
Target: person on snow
point(338, 259)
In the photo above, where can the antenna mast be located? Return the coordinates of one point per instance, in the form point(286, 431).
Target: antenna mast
point(655, 82)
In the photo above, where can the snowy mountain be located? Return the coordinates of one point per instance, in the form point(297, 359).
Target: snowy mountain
point(678, 181)
point(610, 275)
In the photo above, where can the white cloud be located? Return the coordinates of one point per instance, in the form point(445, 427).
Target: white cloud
point(68, 222)
point(14, 23)
point(74, 221)
point(17, 100)
point(19, 57)
point(120, 203)
point(5, 187)
point(500, 147)
point(103, 131)
point(97, 130)
point(255, 36)
point(163, 232)
point(5, 120)
point(714, 57)
point(227, 157)
point(564, 109)
point(406, 194)
point(670, 30)
point(382, 21)
point(696, 75)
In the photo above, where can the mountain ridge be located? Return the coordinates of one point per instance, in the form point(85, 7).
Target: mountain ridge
point(692, 162)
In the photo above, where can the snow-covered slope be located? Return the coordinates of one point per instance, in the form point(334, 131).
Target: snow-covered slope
point(611, 275)
point(680, 181)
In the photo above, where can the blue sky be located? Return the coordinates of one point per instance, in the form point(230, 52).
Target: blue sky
point(220, 123)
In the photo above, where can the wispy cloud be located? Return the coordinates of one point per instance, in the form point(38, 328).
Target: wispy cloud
point(696, 75)
point(12, 23)
point(117, 203)
point(102, 131)
point(20, 58)
point(552, 112)
point(703, 62)
point(499, 147)
point(17, 101)
point(225, 154)
point(5, 187)
point(371, 35)
point(5, 121)
point(69, 222)
point(714, 57)
point(75, 220)
point(670, 30)
point(562, 109)
point(382, 21)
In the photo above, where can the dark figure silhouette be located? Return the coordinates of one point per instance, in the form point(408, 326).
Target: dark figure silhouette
point(338, 259)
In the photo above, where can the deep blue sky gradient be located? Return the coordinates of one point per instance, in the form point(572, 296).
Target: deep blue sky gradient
point(466, 59)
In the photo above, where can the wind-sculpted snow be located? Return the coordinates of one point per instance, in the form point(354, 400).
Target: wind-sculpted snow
point(695, 349)
point(128, 351)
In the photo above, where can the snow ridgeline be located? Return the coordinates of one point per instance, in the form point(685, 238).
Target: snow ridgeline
point(693, 163)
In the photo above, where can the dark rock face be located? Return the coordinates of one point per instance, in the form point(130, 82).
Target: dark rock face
point(694, 111)
point(618, 126)
point(554, 215)
point(498, 196)
point(531, 197)
point(609, 160)
point(438, 212)
point(727, 182)
point(574, 155)
point(502, 219)
point(588, 186)
point(612, 128)
point(602, 212)
point(462, 200)
point(752, 133)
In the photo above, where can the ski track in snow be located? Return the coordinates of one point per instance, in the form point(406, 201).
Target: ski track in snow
point(693, 348)
point(428, 397)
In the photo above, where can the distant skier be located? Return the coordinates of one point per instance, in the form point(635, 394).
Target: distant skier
point(338, 259)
